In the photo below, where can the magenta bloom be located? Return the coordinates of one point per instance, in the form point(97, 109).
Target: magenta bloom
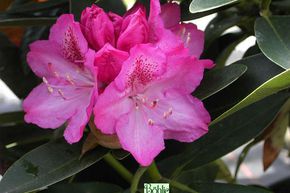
point(67, 94)
point(150, 99)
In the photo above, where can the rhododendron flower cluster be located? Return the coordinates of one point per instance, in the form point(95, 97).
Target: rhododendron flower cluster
point(133, 73)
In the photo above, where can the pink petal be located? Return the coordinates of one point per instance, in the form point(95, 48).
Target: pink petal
point(109, 62)
point(156, 26)
point(97, 27)
point(117, 23)
point(110, 106)
point(182, 117)
point(143, 141)
point(67, 33)
point(170, 14)
point(77, 123)
point(183, 74)
point(46, 60)
point(145, 64)
point(52, 107)
point(193, 38)
point(134, 31)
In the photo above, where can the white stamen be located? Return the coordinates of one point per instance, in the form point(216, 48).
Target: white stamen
point(61, 93)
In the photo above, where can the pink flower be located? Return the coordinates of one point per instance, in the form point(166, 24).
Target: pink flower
point(67, 94)
point(150, 100)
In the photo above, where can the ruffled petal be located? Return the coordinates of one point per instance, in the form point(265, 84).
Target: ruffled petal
point(134, 31)
point(170, 14)
point(68, 35)
point(109, 62)
point(46, 60)
point(145, 64)
point(138, 137)
point(183, 74)
point(77, 123)
point(182, 117)
point(50, 106)
point(97, 27)
point(110, 106)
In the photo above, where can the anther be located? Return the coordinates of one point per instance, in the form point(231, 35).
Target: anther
point(69, 78)
point(50, 90)
point(150, 122)
point(154, 103)
point(168, 113)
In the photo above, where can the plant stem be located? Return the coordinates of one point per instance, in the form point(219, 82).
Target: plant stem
point(265, 8)
point(124, 172)
point(139, 173)
point(154, 172)
point(179, 186)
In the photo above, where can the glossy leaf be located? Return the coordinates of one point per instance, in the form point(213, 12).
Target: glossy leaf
point(92, 187)
point(218, 79)
point(273, 39)
point(32, 21)
point(230, 133)
point(273, 85)
point(11, 118)
point(46, 165)
point(35, 6)
point(260, 70)
point(222, 22)
point(197, 6)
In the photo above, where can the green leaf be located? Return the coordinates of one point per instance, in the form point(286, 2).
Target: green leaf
point(30, 7)
point(207, 173)
point(273, 39)
point(273, 85)
point(31, 21)
point(230, 133)
point(217, 79)
point(222, 22)
point(260, 70)
point(197, 6)
point(226, 188)
point(92, 187)
point(46, 165)
point(11, 118)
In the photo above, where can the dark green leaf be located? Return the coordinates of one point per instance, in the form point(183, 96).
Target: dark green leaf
point(273, 39)
point(46, 165)
point(93, 187)
point(11, 118)
point(28, 7)
point(273, 85)
point(113, 6)
point(226, 188)
point(197, 6)
point(259, 71)
point(219, 24)
point(32, 21)
point(218, 79)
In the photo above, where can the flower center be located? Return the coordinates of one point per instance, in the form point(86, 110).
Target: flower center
point(156, 109)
